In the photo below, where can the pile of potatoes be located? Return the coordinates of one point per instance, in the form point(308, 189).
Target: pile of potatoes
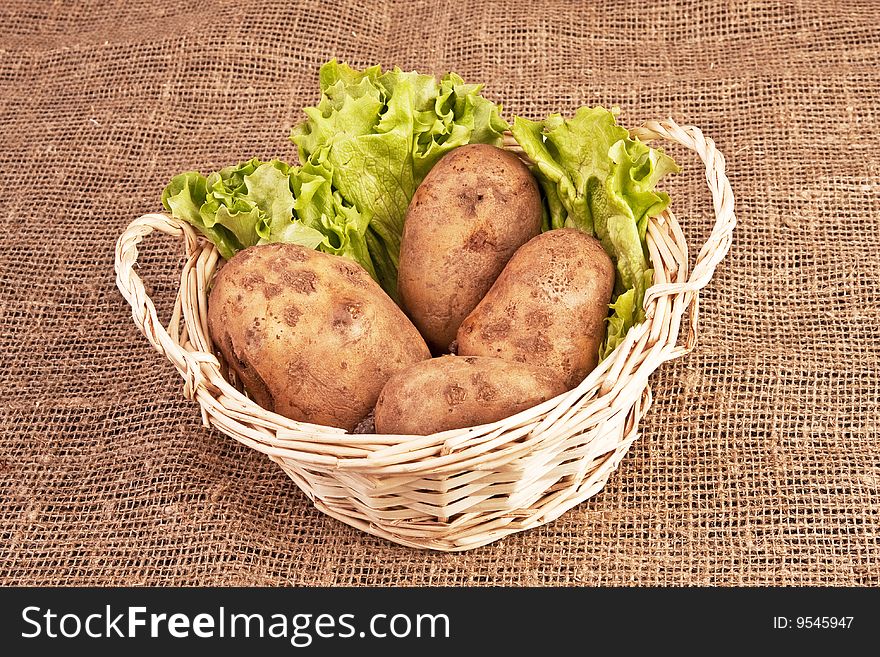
point(312, 337)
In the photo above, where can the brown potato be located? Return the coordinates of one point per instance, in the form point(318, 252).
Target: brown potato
point(476, 207)
point(311, 335)
point(452, 392)
point(548, 306)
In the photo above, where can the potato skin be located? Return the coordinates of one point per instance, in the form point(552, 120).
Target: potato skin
point(310, 334)
point(548, 306)
point(476, 207)
point(453, 392)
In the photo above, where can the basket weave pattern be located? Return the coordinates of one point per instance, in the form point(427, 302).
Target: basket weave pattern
point(463, 488)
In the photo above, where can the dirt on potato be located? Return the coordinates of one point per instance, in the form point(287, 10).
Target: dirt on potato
point(475, 208)
point(452, 392)
point(310, 335)
point(548, 306)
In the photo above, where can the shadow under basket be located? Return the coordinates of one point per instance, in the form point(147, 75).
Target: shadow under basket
point(463, 488)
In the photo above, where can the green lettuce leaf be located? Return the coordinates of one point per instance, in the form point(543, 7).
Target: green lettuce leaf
point(322, 209)
point(594, 177)
point(184, 197)
point(625, 314)
point(379, 133)
point(256, 202)
point(250, 200)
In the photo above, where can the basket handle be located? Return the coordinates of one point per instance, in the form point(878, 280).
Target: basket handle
point(719, 240)
point(188, 363)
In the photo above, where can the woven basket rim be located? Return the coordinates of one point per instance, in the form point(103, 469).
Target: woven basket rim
point(616, 394)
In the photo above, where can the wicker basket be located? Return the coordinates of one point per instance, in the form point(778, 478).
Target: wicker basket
point(463, 488)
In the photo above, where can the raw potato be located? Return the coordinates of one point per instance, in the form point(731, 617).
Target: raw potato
point(548, 306)
point(311, 335)
point(476, 207)
point(451, 392)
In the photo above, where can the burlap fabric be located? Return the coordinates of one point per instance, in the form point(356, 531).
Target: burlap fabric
point(759, 462)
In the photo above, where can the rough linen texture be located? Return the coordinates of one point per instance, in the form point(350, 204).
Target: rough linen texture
point(759, 463)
